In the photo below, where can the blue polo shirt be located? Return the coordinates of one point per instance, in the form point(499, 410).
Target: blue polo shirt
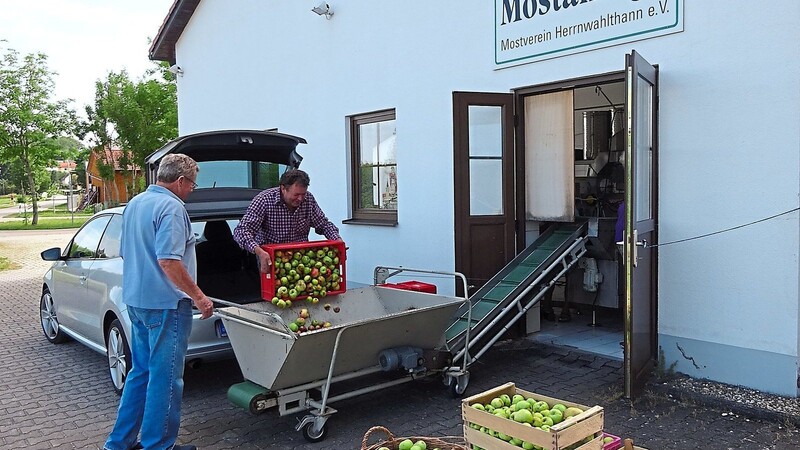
point(155, 226)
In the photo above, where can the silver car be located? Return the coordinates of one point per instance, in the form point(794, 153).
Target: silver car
point(82, 291)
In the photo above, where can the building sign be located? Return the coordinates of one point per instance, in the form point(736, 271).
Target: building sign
point(533, 30)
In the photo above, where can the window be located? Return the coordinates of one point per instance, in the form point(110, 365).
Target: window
point(110, 243)
point(84, 244)
point(373, 167)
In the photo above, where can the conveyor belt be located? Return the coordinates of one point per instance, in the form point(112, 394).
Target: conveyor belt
point(506, 298)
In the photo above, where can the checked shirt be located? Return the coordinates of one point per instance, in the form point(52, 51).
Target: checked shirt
point(269, 221)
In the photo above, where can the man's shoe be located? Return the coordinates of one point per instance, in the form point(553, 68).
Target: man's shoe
point(184, 447)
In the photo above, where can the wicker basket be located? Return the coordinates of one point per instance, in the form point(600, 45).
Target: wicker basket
point(442, 443)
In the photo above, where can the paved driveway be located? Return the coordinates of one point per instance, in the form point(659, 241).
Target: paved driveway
point(59, 396)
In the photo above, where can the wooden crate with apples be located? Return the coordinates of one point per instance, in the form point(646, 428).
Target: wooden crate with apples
point(484, 429)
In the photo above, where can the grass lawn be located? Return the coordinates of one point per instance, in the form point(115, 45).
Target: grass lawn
point(45, 224)
point(5, 202)
point(61, 211)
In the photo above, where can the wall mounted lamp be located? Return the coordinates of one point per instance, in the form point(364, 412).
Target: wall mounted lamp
point(176, 70)
point(323, 9)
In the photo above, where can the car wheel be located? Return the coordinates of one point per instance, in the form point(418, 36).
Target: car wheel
point(47, 313)
point(119, 355)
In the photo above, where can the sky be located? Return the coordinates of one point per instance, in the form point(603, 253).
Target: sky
point(84, 40)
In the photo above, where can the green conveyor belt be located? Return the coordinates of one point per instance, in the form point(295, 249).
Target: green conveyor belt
point(504, 287)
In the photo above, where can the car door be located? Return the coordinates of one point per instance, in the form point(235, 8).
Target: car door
point(70, 278)
point(104, 281)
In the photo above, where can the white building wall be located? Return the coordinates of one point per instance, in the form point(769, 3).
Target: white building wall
point(729, 144)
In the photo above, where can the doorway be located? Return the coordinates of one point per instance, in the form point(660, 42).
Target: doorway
point(584, 150)
point(584, 309)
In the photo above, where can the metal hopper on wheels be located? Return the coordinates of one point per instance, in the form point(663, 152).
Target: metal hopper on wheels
point(379, 337)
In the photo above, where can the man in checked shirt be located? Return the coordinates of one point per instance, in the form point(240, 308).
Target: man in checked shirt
point(281, 215)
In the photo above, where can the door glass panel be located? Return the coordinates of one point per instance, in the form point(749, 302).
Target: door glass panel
point(485, 160)
point(485, 189)
point(644, 151)
point(110, 244)
point(84, 244)
point(485, 131)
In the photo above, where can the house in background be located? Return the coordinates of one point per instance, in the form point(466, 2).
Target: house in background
point(104, 190)
point(510, 118)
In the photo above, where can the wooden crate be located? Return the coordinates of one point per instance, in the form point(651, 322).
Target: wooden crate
point(560, 436)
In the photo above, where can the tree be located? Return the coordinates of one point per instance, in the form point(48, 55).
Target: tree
point(30, 120)
point(136, 117)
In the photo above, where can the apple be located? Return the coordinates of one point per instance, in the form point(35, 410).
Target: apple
point(283, 291)
point(516, 399)
point(421, 444)
point(288, 303)
point(506, 399)
point(497, 402)
point(304, 313)
point(292, 293)
point(559, 407)
point(406, 445)
point(294, 327)
point(281, 304)
point(572, 411)
point(326, 325)
point(274, 300)
point(300, 320)
point(478, 406)
point(523, 416)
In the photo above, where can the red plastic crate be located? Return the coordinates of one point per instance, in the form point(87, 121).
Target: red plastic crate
point(412, 285)
point(268, 280)
point(613, 445)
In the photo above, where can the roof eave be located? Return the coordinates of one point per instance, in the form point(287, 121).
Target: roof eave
point(163, 46)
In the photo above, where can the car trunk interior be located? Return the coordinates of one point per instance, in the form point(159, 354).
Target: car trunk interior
point(224, 270)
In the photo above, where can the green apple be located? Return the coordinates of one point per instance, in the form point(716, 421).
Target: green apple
point(523, 416)
point(559, 407)
point(572, 411)
point(504, 436)
point(516, 399)
point(506, 399)
point(527, 445)
point(556, 415)
point(497, 402)
point(421, 444)
point(523, 404)
point(478, 406)
point(516, 442)
point(406, 445)
point(294, 327)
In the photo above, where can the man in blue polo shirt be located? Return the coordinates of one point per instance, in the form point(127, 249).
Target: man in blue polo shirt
point(158, 287)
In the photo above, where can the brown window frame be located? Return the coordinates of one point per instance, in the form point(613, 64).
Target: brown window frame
point(361, 215)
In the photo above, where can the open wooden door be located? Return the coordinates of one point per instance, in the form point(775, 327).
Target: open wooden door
point(483, 152)
point(641, 214)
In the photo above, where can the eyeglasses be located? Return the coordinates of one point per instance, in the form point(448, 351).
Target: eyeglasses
point(194, 185)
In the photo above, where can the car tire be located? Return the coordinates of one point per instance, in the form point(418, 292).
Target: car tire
point(119, 355)
point(49, 319)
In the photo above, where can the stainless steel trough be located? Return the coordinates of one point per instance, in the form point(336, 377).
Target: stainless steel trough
point(370, 319)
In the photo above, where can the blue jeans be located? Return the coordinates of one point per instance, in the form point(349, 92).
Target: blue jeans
point(151, 399)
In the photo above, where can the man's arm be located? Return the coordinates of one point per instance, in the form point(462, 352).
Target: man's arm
point(177, 273)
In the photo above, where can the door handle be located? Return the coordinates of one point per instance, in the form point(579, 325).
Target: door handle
point(636, 247)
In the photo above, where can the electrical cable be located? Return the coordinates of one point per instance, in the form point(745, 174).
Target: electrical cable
point(726, 230)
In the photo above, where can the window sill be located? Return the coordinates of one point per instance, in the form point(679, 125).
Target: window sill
point(374, 222)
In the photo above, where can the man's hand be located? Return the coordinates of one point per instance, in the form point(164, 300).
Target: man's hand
point(264, 261)
point(205, 306)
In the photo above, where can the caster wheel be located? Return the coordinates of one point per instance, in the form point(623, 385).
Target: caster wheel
point(458, 385)
point(312, 435)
